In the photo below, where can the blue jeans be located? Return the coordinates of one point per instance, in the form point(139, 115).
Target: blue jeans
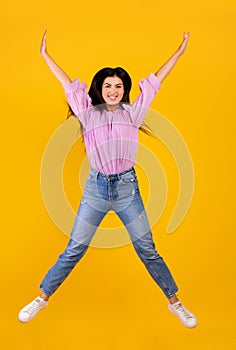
point(120, 193)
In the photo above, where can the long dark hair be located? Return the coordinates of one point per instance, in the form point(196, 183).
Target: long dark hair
point(95, 91)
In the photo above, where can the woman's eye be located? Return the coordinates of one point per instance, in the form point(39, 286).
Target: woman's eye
point(107, 86)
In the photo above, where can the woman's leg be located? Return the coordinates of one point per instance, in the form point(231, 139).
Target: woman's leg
point(135, 219)
point(86, 223)
point(144, 246)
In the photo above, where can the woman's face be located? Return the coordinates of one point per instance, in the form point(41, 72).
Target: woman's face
point(112, 91)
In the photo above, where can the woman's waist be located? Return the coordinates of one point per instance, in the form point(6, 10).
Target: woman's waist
point(111, 176)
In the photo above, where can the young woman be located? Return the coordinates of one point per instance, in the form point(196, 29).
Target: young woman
point(110, 128)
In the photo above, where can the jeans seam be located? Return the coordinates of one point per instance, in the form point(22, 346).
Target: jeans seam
point(157, 278)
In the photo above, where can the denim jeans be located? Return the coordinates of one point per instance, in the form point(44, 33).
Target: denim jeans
point(120, 193)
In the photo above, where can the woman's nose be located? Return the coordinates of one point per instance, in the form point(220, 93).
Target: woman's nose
point(113, 90)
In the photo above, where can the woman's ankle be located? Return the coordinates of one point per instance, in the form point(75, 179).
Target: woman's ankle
point(173, 299)
point(44, 296)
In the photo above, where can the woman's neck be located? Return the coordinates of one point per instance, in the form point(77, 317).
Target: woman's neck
point(112, 108)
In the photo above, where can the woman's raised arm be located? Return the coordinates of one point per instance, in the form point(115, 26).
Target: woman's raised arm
point(56, 70)
point(169, 65)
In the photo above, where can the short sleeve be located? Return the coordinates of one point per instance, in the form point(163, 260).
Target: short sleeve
point(148, 90)
point(78, 98)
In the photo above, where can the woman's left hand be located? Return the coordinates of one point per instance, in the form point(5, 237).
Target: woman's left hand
point(183, 46)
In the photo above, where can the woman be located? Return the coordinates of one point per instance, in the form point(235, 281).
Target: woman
point(110, 128)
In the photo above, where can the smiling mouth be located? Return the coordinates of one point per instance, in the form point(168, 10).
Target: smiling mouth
point(112, 97)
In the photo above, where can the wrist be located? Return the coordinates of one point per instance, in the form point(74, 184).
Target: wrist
point(44, 55)
point(179, 52)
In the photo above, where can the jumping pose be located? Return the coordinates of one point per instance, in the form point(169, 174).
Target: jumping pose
point(110, 127)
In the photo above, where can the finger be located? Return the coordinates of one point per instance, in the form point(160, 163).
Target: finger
point(43, 42)
point(186, 35)
point(45, 35)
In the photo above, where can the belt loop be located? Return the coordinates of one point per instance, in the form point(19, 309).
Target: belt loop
point(95, 173)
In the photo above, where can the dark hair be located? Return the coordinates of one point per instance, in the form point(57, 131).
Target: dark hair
point(95, 91)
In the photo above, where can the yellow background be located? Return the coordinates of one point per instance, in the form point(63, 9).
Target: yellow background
point(110, 301)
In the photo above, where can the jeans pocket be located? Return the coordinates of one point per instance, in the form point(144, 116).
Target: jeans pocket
point(91, 177)
point(128, 178)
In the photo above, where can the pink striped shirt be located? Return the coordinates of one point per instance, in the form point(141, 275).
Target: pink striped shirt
point(111, 138)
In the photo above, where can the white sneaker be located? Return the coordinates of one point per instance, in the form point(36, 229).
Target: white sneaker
point(30, 311)
point(184, 315)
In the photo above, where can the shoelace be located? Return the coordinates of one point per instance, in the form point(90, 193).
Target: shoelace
point(183, 311)
point(34, 307)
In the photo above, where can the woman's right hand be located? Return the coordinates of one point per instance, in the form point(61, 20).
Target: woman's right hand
point(56, 70)
point(43, 46)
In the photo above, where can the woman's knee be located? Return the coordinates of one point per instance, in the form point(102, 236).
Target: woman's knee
point(146, 251)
